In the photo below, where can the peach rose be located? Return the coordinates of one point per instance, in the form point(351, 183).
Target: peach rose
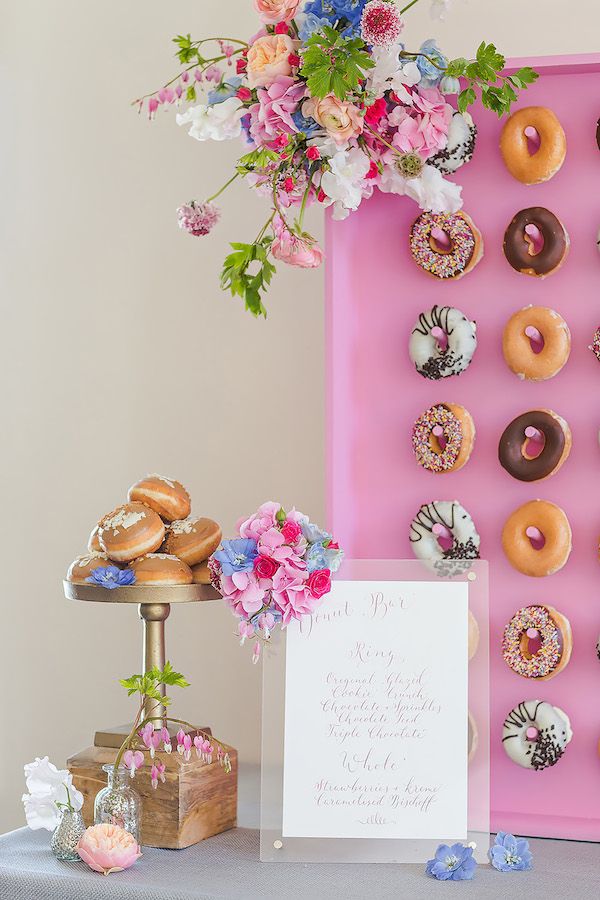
point(340, 119)
point(268, 58)
point(273, 11)
point(108, 848)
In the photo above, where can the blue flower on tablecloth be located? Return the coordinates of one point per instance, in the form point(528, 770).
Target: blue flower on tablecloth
point(224, 91)
point(510, 854)
point(237, 555)
point(111, 577)
point(431, 75)
point(455, 863)
point(320, 556)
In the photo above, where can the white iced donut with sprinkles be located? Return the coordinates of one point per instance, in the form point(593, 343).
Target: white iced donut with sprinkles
point(443, 535)
point(442, 342)
point(445, 245)
point(535, 734)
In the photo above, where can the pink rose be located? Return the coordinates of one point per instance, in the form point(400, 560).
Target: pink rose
point(265, 566)
point(108, 848)
point(294, 250)
point(268, 58)
point(273, 11)
point(319, 583)
point(339, 118)
point(291, 531)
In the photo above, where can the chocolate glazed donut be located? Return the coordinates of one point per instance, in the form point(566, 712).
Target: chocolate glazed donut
point(518, 246)
point(557, 445)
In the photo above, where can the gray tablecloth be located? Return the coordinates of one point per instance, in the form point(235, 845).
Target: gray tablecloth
point(227, 867)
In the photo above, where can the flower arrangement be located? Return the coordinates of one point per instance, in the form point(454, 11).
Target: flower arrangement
point(278, 569)
point(330, 105)
point(51, 791)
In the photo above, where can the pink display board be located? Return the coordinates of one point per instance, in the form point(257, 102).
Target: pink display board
point(374, 296)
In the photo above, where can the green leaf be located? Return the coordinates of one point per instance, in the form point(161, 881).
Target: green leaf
point(334, 64)
point(456, 67)
point(256, 159)
point(241, 283)
point(466, 98)
point(190, 93)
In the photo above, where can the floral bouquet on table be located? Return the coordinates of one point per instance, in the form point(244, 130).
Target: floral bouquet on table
point(330, 105)
point(278, 569)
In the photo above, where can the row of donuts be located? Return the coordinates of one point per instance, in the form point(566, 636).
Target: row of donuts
point(531, 448)
point(536, 343)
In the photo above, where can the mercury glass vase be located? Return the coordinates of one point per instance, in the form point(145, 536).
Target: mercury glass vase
point(66, 836)
point(118, 803)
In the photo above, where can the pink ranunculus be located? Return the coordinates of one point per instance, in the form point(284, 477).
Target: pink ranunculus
point(268, 59)
point(273, 11)
point(272, 115)
point(264, 518)
point(291, 531)
point(293, 249)
point(108, 848)
point(265, 566)
point(319, 583)
point(341, 120)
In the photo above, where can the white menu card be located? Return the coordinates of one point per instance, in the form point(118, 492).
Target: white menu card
point(376, 713)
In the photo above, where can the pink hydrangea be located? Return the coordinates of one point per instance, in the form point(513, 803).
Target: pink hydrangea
point(198, 218)
point(272, 115)
point(263, 519)
point(291, 595)
point(244, 592)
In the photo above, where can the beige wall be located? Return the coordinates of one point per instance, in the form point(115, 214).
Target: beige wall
point(119, 354)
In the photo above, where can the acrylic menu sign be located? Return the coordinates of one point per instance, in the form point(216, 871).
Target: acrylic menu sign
point(376, 704)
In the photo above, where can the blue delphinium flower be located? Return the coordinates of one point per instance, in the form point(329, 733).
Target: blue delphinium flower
point(224, 91)
point(346, 12)
point(510, 854)
point(320, 556)
point(431, 75)
point(307, 126)
point(111, 577)
point(455, 863)
point(237, 556)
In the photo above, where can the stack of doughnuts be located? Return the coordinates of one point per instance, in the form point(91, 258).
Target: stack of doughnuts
point(154, 535)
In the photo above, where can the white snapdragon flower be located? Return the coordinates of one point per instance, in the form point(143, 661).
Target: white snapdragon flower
point(219, 122)
point(432, 192)
point(345, 184)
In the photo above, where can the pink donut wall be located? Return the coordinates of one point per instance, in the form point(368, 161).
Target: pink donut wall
point(374, 296)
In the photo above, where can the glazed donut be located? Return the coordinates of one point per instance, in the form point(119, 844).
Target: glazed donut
point(450, 517)
point(94, 542)
point(519, 246)
point(458, 435)
point(533, 168)
point(535, 734)
point(462, 135)
point(473, 635)
point(442, 343)
point(192, 540)
point(465, 247)
point(165, 496)
point(517, 345)
point(82, 567)
point(551, 521)
point(130, 531)
point(201, 573)
point(512, 448)
point(595, 345)
point(553, 631)
point(472, 737)
point(159, 569)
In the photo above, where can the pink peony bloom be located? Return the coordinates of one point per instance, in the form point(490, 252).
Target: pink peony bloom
point(108, 848)
point(272, 115)
point(294, 250)
point(380, 24)
point(319, 583)
point(341, 120)
point(265, 566)
point(273, 11)
point(268, 58)
point(263, 519)
point(198, 218)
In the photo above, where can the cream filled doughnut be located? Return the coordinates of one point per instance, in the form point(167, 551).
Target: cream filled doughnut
point(462, 135)
point(535, 734)
point(536, 343)
point(519, 130)
point(129, 531)
point(165, 496)
point(449, 257)
point(94, 541)
point(82, 567)
point(536, 538)
point(201, 574)
point(192, 540)
point(536, 242)
point(537, 642)
point(443, 437)
point(442, 343)
point(159, 569)
point(473, 635)
point(443, 534)
point(540, 428)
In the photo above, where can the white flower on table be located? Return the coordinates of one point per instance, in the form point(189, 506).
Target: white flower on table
point(345, 184)
point(220, 122)
point(50, 790)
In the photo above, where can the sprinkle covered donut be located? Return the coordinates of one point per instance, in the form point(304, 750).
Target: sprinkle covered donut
point(536, 343)
point(538, 425)
point(439, 523)
point(535, 734)
point(523, 248)
point(443, 438)
point(446, 245)
point(519, 129)
point(442, 343)
point(595, 345)
point(551, 633)
point(537, 539)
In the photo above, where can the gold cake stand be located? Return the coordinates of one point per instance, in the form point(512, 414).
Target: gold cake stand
point(154, 606)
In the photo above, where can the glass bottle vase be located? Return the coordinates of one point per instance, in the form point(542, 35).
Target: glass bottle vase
point(118, 803)
point(66, 836)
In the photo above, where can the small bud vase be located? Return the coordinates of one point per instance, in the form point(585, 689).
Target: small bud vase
point(66, 836)
point(118, 803)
